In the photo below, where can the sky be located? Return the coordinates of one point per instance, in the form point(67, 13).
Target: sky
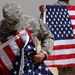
point(30, 7)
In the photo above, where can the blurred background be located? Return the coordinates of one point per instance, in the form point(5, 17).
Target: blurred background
point(30, 7)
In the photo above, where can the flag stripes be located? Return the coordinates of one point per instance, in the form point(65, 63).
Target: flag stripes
point(10, 47)
point(63, 53)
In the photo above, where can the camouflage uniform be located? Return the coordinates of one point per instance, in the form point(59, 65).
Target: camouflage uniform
point(39, 31)
point(37, 28)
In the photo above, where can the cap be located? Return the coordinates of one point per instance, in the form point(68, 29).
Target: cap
point(12, 11)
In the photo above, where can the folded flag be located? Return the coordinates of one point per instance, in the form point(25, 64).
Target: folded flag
point(61, 21)
point(16, 53)
point(9, 48)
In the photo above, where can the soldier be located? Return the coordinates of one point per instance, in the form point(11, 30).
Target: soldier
point(14, 20)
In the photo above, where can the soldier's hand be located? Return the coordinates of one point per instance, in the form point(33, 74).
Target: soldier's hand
point(39, 57)
point(42, 8)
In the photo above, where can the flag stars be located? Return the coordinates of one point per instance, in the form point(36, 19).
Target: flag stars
point(33, 73)
point(65, 9)
point(28, 53)
point(29, 46)
point(49, 19)
point(53, 13)
point(61, 13)
point(64, 16)
point(50, 9)
point(68, 25)
point(58, 9)
point(55, 26)
point(46, 10)
point(40, 67)
point(46, 69)
point(52, 29)
point(47, 23)
point(29, 71)
point(34, 49)
point(59, 23)
point(61, 35)
point(47, 16)
point(65, 13)
point(66, 19)
point(56, 22)
point(62, 10)
point(54, 9)
point(16, 63)
point(52, 22)
point(49, 13)
point(58, 19)
point(15, 72)
point(57, 29)
point(69, 22)
point(66, 35)
point(63, 25)
point(64, 32)
point(72, 35)
point(70, 28)
point(58, 35)
point(27, 64)
point(65, 22)
point(55, 32)
point(39, 74)
point(55, 16)
point(49, 26)
point(69, 32)
point(57, 13)
point(67, 16)
point(66, 28)
point(62, 19)
point(51, 16)
point(61, 29)
point(59, 32)
point(59, 16)
point(54, 19)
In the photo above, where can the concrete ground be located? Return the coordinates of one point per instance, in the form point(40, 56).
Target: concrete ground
point(54, 70)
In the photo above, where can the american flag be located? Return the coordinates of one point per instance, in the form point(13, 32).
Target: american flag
point(9, 48)
point(61, 21)
point(29, 68)
point(16, 53)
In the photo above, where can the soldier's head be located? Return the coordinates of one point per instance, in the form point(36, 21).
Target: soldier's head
point(11, 12)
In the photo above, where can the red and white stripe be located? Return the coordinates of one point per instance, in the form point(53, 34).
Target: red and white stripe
point(9, 48)
point(63, 53)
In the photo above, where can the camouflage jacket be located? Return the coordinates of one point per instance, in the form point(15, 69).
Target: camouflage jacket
point(37, 28)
